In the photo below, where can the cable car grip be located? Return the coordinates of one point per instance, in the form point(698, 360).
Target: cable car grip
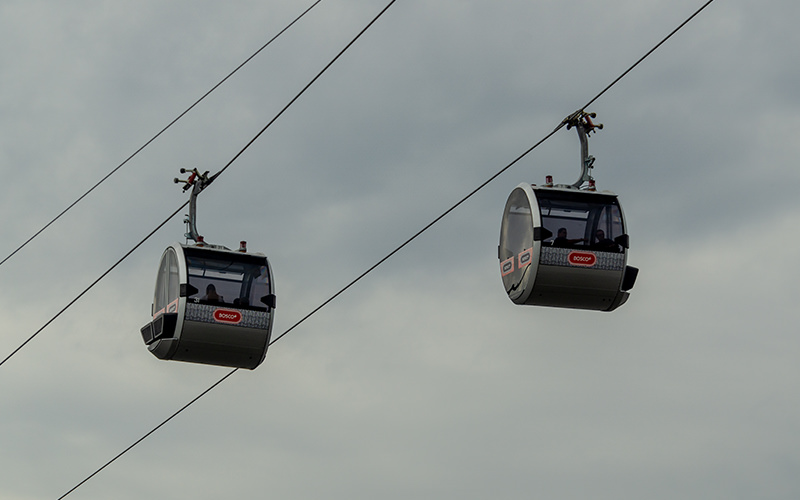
point(582, 121)
point(198, 182)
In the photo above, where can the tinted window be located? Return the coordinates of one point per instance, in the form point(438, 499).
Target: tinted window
point(517, 230)
point(516, 236)
point(174, 285)
point(162, 280)
point(581, 220)
point(167, 284)
point(229, 279)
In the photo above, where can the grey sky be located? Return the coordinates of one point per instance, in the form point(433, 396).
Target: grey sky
point(424, 380)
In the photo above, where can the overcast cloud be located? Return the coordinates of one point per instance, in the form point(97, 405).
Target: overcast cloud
point(424, 380)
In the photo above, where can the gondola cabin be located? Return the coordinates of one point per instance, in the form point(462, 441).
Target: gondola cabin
point(561, 246)
point(212, 305)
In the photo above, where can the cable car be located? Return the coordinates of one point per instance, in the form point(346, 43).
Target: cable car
point(566, 245)
point(212, 305)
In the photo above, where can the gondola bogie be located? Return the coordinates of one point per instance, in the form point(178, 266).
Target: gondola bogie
point(566, 245)
point(211, 306)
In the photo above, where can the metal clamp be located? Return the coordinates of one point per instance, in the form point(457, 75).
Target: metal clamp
point(197, 182)
point(582, 121)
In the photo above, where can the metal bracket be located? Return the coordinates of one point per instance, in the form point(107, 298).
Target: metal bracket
point(197, 182)
point(582, 121)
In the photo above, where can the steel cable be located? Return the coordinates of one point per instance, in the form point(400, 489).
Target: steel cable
point(400, 247)
point(170, 124)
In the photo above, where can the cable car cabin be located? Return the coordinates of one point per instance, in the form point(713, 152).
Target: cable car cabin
point(211, 306)
point(565, 247)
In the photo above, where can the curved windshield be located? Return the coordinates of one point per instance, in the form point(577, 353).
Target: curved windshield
point(582, 220)
point(237, 281)
point(167, 284)
point(516, 242)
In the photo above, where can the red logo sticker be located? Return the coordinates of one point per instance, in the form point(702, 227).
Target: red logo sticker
point(586, 259)
point(507, 266)
point(227, 316)
point(525, 257)
point(172, 307)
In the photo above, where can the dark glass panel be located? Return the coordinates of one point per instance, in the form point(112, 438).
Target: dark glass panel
point(516, 240)
point(237, 281)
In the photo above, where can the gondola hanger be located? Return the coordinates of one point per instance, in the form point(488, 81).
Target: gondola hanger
point(566, 245)
point(582, 121)
point(197, 182)
point(211, 305)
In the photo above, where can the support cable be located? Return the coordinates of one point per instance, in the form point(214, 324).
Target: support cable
point(404, 244)
point(646, 55)
point(59, 313)
point(327, 66)
point(170, 124)
point(149, 433)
